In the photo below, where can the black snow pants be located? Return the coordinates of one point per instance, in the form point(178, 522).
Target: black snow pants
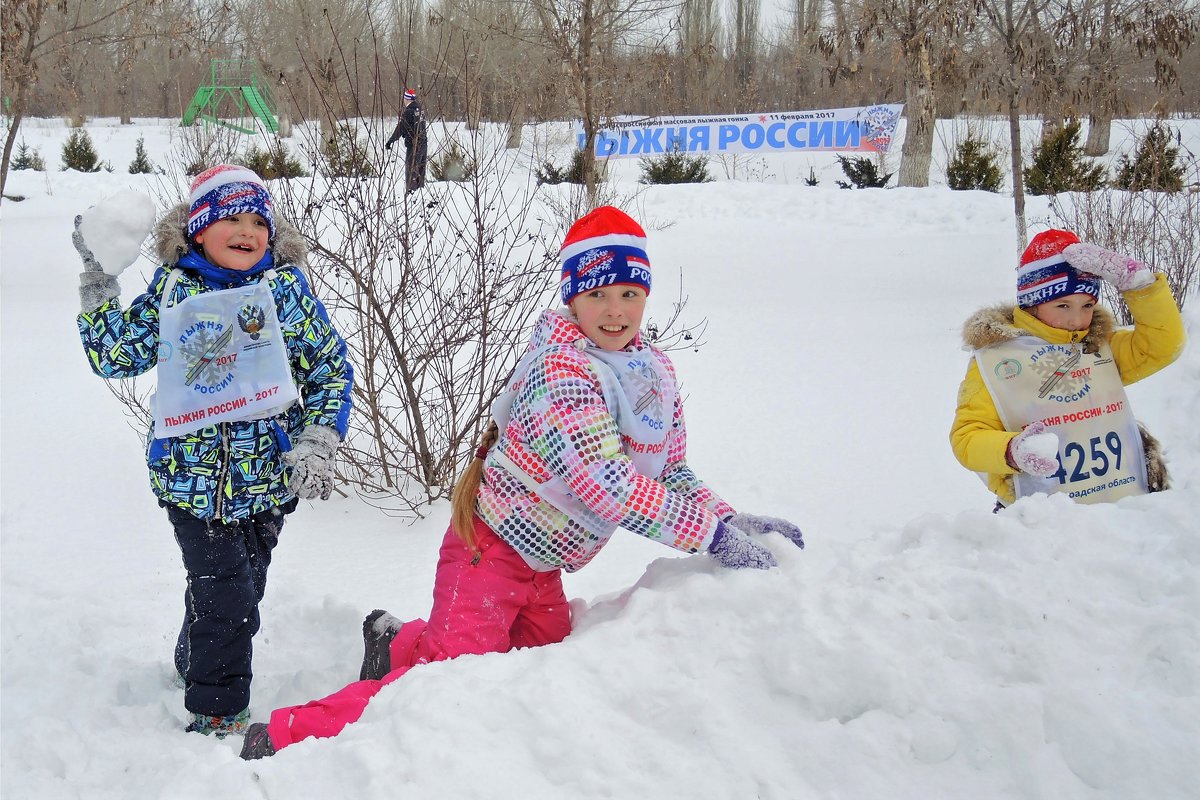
point(226, 567)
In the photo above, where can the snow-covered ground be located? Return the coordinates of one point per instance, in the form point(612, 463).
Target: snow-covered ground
point(920, 647)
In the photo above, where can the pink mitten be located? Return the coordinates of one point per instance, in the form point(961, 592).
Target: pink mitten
point(1034, 451)
point(1123, 272)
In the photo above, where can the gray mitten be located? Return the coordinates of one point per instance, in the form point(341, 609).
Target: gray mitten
point(311, 460)
point(735, 550)
point(753, 523)
point(96, 287)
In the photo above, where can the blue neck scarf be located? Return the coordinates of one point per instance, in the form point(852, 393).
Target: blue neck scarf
point(220, 277)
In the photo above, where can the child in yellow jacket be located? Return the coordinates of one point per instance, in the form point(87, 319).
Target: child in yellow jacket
point(1042, 407)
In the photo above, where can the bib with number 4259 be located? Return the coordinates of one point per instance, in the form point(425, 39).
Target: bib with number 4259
point(221, 358)
point(1080, 397)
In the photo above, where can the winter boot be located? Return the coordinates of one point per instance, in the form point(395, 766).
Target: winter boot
point(257, 744)
point(221, 727)
point(379, 628)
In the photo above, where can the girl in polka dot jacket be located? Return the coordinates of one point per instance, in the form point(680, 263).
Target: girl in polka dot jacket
point(589, 437)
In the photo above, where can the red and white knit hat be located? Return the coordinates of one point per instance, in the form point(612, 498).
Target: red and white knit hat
point(409, 95)
point(226, 190)
point(605, 247)
point(1045, 274)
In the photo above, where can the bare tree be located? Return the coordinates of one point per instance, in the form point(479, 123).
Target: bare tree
point(1106, 41)
point(922, 29)
point(584, 35)
point(698, 33)
point(37, 30)
point(1012, 23)
point(745, 52)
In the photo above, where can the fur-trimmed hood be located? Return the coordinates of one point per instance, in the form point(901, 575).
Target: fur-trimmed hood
point(170, 239)
point(1003, 323)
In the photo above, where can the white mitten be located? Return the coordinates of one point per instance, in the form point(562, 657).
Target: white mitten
point(1123, 272)
point(1034, 451)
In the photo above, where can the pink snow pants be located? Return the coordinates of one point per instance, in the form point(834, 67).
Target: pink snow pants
point(486, 606)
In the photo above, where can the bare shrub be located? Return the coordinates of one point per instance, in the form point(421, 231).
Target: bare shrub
point(1157, 228)
point(434, 292)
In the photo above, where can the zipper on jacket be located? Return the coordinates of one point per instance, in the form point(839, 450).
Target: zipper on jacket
point(223, 436)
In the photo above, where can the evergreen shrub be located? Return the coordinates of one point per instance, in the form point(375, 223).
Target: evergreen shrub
point(78, 152)
point(675, 167)
point(1059, 165)
point(141, 164)
point(863, 173)
point(1155, 166)
point(27, 158)
point(975, 165)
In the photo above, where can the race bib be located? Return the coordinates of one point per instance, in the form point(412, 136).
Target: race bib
point(1080, 397)
point(221, 358)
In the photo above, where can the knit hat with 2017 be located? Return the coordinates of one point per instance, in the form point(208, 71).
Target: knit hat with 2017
point(225, 191)
point(1044, 273)
point(603, 248)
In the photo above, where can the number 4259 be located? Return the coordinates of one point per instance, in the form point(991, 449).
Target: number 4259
point(1097, 459)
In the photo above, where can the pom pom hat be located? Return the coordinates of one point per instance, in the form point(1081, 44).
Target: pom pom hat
point(226, 190)
point(409, 95)
point(1045, 274)
point(603, 248)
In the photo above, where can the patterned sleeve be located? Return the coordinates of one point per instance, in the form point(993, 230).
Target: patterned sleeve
point(679, 477)
point(123, 343)
point(578, 440)
point(317, 354)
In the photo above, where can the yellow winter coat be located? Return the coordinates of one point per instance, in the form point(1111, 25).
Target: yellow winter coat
point(978, 437)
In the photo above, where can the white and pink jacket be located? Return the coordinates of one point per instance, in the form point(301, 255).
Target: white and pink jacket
point(565, 472)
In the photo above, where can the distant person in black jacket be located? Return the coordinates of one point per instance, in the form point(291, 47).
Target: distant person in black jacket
point(411, 128)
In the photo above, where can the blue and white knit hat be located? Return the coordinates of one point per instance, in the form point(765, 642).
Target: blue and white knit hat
point(226, 190)
point(603, 248)
point(1044, 273)
point(409, 95)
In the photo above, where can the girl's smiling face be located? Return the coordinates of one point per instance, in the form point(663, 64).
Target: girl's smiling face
point(236, 242)
point(610, 316)
point(1070, 313)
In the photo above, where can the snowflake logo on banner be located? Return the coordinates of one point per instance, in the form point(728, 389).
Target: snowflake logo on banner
point(878, 126)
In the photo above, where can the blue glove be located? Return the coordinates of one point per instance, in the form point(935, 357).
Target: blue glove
point(752, 523)
point(735, 550)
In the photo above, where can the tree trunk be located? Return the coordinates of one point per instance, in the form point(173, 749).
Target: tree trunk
point(1014, 139)
point(919, 109)
point(1099, 135)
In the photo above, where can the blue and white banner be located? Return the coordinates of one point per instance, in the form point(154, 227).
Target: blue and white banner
point(862, 129)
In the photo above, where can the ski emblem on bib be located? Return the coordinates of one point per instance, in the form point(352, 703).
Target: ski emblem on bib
point(204, 353)
point(1063, 379)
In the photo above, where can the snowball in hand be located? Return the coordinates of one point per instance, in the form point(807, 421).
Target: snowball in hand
point(115, 228)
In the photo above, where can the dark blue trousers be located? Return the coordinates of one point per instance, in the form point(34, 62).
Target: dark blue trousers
point(226, 567)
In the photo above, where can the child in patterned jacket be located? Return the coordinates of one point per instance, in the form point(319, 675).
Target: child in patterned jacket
point(1043, 407)
point(588, 437)
point(253, 397)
